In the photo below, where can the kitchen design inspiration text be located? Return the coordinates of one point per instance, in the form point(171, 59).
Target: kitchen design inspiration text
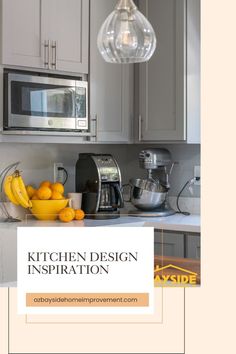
point(72, 263)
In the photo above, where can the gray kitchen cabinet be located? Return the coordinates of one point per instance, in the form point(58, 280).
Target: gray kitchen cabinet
point(111, 85)
point(21, 33)
point(65, 23)
point(169, 84)
point(169, 244)
point(193, 246)
point(45, 34)
point(177, 244)
point(8, 254)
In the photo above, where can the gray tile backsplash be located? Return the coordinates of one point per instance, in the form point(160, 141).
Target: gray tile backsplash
point(37, 161)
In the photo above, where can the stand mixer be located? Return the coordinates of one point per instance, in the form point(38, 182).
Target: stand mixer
point(149, 195)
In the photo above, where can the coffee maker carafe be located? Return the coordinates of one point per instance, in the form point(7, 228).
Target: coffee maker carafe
point(98, 178)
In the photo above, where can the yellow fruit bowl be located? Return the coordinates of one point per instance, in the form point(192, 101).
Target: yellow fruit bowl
point(47, 209)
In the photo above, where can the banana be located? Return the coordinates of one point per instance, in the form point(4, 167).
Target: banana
point(19, 190)
point(8, 190)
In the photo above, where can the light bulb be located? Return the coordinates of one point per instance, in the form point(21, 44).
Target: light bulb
point(126, 36)
point(127, 40)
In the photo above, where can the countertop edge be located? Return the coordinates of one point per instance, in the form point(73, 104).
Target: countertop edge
point(179, 223)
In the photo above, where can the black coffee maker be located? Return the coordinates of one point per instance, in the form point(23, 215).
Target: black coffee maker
point(98, 178)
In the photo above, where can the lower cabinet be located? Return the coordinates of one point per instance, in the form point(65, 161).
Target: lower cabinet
point(169, 244)
point(177, 244)
point(193, 247)
point(8, 255)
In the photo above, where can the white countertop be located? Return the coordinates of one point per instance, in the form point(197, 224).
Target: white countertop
point(177, 222)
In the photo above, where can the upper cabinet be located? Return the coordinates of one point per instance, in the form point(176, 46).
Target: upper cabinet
point(169, 84)
point(46, 34)
point(111, 85)
point(21, 33)
point(65, 23)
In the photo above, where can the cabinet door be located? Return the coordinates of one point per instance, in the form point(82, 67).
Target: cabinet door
point(21, 33)
point(111, 85)
point(162, 79)
point(193, 246)
point(168, 244)
point(66, 23)
point(8, 255)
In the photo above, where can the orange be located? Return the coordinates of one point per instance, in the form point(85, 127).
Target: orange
point(30, 191)
point(57, 187)
point(67, 214)
point(45, 184)
point(79, 214)
point(44, 193)
point(35, 197)
point(56, 196)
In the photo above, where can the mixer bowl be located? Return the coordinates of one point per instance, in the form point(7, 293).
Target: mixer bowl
point(146, 195)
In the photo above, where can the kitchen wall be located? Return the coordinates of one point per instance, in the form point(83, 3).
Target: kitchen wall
point(37, 161)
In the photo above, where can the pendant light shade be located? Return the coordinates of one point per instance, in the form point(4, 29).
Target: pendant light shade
point(126, 36)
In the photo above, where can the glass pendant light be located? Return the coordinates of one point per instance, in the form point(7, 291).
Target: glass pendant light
point(126, 36)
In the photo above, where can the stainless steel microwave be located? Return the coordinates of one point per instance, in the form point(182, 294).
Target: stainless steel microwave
point(35, 103)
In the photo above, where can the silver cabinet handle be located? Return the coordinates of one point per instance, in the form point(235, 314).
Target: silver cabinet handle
point(46, 53)
point(140, 135)
point(54, 55)
point(95, 133)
